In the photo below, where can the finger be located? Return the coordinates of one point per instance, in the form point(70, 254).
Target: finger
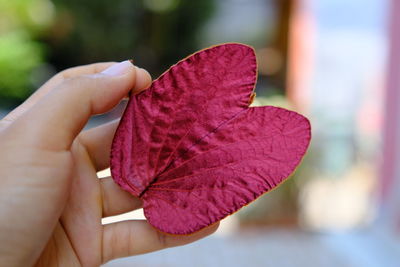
point(54, 82)
point(86, 69)
point(130, 238)
point(97, 142)
point(55, 121)
point(115, 200)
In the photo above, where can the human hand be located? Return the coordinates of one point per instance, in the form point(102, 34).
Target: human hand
point(51, 200)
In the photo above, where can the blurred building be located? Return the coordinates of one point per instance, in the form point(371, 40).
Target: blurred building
point(338, 57)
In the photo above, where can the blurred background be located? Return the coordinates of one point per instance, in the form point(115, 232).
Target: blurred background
point(336, 61)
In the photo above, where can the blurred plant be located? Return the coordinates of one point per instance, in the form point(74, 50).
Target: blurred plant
point(155, 33)
point(21, 21)
point(273, 100)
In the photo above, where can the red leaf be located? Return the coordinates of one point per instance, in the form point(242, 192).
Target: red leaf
point(194, 151)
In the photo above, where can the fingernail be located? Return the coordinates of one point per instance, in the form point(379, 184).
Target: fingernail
point(118, 69)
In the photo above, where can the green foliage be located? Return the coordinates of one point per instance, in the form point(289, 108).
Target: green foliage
point(18, 56)
point(155, 33)
point(21, 21)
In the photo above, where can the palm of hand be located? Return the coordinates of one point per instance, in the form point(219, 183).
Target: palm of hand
point(78, 236)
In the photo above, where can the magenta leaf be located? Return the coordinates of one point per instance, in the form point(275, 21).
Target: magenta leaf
point(192, 149)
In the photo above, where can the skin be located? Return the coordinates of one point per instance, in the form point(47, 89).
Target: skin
point(51, 200)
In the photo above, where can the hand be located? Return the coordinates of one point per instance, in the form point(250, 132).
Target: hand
point(51, 200)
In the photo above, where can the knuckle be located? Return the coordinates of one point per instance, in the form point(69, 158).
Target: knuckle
point(79, 82)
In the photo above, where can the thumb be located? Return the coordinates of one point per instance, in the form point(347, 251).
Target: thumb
point(55, 121)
